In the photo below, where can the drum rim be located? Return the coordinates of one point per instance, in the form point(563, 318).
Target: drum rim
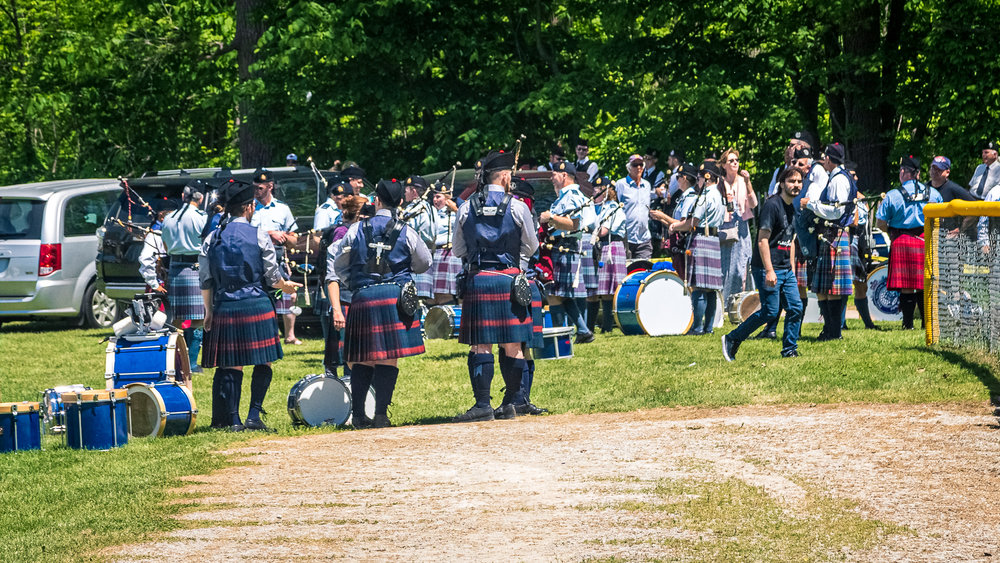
point(300, 386)
point(93, 396)
point(29, 407)
point(642, 286)
point(614, 300)
point(874, 270)
point(449, 311)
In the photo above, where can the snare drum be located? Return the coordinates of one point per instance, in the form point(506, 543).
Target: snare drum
point(135, 358)
point(96, 420)
point(53, 410)
point(880, 245)
point(557, 342)
point(369, 400)
point(882, 303)
point(318, 399)
point(742, 305)
point(443, 321)
point(653, 303)
point(19, 427)
point(161, 409)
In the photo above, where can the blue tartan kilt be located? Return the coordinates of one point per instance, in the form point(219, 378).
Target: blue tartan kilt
point(858, 269)
point(705, 263)
point(833, 273)
point(375, 330)
point(283, 306)
point(613, 273)
point(244, 333)
point(564, 269)
point(489, 314)
point(184, 293)
point(537, 316)
point(588, 270)
point(424, 283)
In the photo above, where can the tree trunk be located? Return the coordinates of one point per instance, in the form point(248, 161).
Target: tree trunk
point(254, 148)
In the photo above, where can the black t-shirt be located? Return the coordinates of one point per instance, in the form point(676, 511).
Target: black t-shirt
point(950, 190)
point(776, 216)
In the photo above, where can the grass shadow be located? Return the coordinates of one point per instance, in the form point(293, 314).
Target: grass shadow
point(981, 369)
point(33, 327)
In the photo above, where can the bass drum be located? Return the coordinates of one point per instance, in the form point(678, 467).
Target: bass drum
point(443, 321)
point(653, 303)
point(882, 303)
point(742, 305)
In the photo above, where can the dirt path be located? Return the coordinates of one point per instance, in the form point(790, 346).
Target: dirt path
point(561, 488)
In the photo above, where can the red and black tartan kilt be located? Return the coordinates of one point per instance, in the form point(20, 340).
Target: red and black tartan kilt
point(375, 329)
point(906, 263)
point(244, 333)
point(537, 316)
point(489, 315)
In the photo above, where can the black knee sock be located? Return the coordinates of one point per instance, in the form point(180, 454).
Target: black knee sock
point(527, 379)
point(221, 394)
point(260, 381)
point(593, 308)
point(230, 387)
point(384, 382)
point(906, 305)
point(481, 376)
point(513, 371)
point(831, 315)
point(863, 312)
point(843, 313)
point(607, 316)
point(361, 381)
point(331, 348)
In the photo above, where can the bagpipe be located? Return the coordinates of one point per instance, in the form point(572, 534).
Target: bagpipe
point(595, 240)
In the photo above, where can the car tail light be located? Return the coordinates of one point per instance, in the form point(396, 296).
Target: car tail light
point(49, 259)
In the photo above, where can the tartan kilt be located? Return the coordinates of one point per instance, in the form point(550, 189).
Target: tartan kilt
point(802, 272)
point(906, 263)
point(705, 267)
point(283, 305)
point(833, 273)
point(244, 333)
point(375, 330)
point(424, 283)
point(184, 293)
point(446, 269)
point(537, 316)
point(857, 265)
point(564, 268)
point(612, 274)
point(588, 270)
point(489, 315)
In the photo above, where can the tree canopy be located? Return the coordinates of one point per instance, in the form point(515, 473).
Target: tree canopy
point(405, 86)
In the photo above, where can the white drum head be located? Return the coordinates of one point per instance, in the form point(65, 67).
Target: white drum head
point(663, 308)
point(720, 310)
point(812, 314)
point(369, 401)
point(145, 408)
point(325, 400)
point(882, 303)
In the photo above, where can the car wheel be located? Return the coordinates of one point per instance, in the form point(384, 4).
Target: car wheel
point(99, 310)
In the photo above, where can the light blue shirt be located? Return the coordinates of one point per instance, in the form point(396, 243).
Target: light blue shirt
point(708, 207)
point(181, 230)
point(902, 214)
point(636, 202)
point(275, 216)
point(684, 204)
point(611, 215)
point(444, 218)
point(326, 215)
point(571, 198)
point(422, 221)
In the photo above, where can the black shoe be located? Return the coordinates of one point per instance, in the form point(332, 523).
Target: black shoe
point(236, 428)
point(505, 412)
point(874, 327)
point(529, 408)
point(257, 424)
point(475, 414)
point(585, 338)
point(792, 354)
point(766, 335)
point(729, 348)
point(381, 421)
point(361, 422)
point(825, 337)
point(693, 332)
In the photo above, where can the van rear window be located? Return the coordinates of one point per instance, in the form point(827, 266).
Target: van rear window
point(21, 218)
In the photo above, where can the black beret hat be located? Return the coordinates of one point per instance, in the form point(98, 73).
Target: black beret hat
point(990, 145)
point(678, 154)
point(709, 167)
point(165, 204)
point(338, 188)
point(262, 175)
point(689, 170)
point(565, 166)
point(440, 187)
point(582, 142)
point(653, 152)
point(496, 160)
point(352, 172)
point(558, 151)
point(236, 192)
point(806, 137)
point(601, 182)
point(835, 151)
point(802, 152)
point(417, 182)
point(850, 166)
point(712, 155)
point(390, 192)
point(367, 210)
point(523, 188)
point(909, 162)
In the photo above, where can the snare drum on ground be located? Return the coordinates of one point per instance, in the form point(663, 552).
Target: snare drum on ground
point(742, 305)
point(443, 321)
point(53, 409)
point(161, 409)
point(96, 420)
point(19, 427)
point(318, 399)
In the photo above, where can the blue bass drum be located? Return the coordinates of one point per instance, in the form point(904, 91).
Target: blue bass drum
point(443, 321)
point(161, 409)
point(96, 420)
point(141, 359)
point(883, 304)
point(653, 303)
point(19, 427)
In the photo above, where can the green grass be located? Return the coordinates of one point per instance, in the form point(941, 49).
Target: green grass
point(66, 504)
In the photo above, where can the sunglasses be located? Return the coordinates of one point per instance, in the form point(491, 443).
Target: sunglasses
point(733, 159)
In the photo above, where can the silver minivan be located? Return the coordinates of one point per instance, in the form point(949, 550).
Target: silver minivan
point(48, 244)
